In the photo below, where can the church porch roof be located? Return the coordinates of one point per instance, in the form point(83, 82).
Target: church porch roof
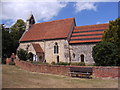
point(37, 48)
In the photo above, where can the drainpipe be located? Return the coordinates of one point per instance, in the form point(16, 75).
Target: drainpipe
point(69, 54)
point(44, 49)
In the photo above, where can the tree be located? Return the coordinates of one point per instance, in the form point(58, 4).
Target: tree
point(7, 43)
point(17, 29)
point(108, 51)
point(1, 40)
point(16, 32)
point(105, 54)
point(10, 38)
point(22, 54)
point(112, 34)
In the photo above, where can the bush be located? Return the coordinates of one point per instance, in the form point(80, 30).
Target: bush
point(105, 54)
point(63, 63)
point(3, 61)
point(53, 63)
point(39, 63)
point(78, 64)
point(91, 64)
point(60, 63)
point(66, 63)
point(12, 63)
point(22, 54)
point(30, 56)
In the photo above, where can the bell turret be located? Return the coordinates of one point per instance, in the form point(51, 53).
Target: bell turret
point(30, 21)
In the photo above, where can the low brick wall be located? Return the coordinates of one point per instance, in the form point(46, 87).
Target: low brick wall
point(106, 71)
point(63, 70)
point(8, 60)
point(56, 69)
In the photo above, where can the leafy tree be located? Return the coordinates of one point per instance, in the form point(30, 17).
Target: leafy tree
point(10, 38)
point(7, 43)
point(1, 40)
point(16, 32)
point(105, 54)
point(17, 29)
point(22, 54)
point(108, 51)
point(112, 34)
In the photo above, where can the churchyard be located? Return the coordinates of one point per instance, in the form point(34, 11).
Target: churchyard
point(15, 77)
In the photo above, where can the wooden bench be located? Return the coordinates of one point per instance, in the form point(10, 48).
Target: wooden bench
point(83, 72)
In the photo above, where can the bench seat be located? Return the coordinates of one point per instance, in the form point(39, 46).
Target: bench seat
point(80, 72)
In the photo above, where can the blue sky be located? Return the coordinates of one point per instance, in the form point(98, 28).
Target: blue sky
point(85, 13)
point(105, 12)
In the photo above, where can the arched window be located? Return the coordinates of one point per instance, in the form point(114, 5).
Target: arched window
point(82, 57)
point(56, 48)
point(27, 47)
point(73, 55)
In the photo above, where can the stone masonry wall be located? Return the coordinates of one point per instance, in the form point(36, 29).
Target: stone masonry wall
point(63, 70)
point(49, 51)
point(85, 49)
point(24, 46)
point(48, 48)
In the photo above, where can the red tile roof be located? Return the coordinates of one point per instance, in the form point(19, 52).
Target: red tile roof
point(37, 48)
point(49, 30)
point(89, 33)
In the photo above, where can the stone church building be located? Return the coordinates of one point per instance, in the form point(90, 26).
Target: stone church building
point(61, 40)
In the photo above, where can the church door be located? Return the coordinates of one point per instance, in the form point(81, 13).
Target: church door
point(82, 58)
point(57, 59)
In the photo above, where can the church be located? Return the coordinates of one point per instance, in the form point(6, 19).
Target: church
point(61, 40)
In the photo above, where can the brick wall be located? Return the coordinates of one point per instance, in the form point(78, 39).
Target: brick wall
point(56, 69)
point(8, 60)
point(106, 71)
point(63, 70)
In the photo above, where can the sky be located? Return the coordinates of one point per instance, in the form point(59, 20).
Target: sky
point(85, 13)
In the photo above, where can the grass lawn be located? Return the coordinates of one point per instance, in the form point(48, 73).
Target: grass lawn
point(14, 77)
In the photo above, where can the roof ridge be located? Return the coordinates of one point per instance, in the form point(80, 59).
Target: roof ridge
point(54, 21)
point(91, 25)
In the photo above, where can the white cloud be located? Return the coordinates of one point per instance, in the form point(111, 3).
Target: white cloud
point(98, 23)
point(102, 22)
point(21, 9)
point(41, 10)
point(80, 6)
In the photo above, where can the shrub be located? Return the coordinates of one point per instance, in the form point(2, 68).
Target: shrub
point(91, 64)
point(81, 64)
point(63, 63)
point(30, 56)
point(105, 54)
point(22, 54)
point(39, 63)
point(12, 63)
point(53, 63)
point(3, 61)
point(78, 64)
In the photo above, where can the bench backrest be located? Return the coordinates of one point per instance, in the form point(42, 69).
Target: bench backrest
point(81, 69)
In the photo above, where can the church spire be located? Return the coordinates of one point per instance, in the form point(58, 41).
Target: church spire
point(30, 21)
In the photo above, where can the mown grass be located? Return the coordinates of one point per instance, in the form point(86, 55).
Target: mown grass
point(14, 77)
